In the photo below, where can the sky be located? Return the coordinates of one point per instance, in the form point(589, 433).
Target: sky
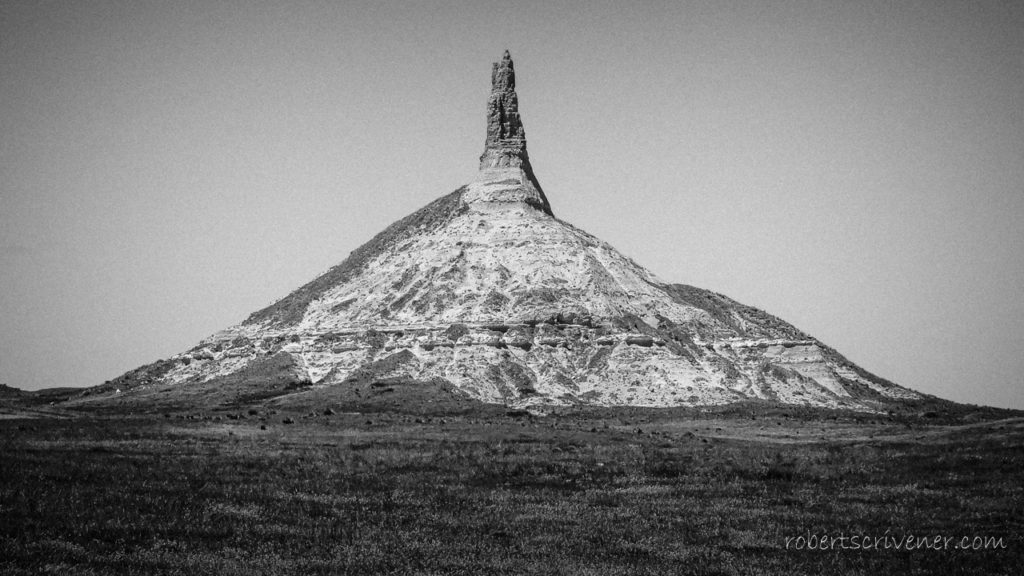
point(855, 168)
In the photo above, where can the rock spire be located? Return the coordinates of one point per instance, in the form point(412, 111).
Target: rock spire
point(504, 127)
point(505, 147)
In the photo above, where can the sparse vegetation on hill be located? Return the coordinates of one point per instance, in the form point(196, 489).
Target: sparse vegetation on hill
point(289, 310)
point(747, 321)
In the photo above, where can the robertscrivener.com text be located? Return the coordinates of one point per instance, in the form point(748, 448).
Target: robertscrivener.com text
point(889, 541)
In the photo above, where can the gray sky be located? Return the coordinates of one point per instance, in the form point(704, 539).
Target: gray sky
point(856, 168)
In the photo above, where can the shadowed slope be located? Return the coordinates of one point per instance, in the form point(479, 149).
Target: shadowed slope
point(288, 310)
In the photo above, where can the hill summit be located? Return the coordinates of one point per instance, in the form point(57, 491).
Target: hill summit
point(485, 293)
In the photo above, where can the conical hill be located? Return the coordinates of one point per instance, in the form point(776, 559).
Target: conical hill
point(486, 292)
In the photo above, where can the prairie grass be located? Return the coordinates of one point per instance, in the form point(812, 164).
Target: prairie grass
point(348, 494)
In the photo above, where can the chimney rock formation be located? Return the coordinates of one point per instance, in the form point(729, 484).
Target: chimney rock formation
point(485, 291)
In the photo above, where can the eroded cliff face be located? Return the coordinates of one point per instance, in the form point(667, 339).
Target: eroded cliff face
point(485, 290)
point(505, 158)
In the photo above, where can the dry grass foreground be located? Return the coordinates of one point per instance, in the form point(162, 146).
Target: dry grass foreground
point(482, 491)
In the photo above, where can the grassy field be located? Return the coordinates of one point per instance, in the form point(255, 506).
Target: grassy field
point(488, 492)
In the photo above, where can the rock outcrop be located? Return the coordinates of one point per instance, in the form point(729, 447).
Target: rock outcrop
point(486, 291)
point(505, 158)
point(506, 140)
